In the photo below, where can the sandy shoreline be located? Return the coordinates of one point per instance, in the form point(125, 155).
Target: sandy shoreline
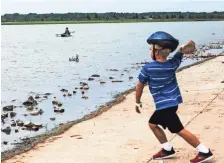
point(121, 135)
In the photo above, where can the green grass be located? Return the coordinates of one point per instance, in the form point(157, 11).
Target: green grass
point(104, 21)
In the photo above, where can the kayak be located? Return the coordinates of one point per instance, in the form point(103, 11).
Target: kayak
point(63, 35)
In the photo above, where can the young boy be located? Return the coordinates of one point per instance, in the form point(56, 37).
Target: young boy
point(161, 78)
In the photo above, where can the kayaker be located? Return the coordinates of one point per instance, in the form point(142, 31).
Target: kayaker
point(67, 32)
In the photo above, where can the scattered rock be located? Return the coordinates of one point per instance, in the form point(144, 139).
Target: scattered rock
point(28, 124)
point(19, 123)
point(113, 70)
point(35, 113)
point(64, 95)
point(4, 115)
point(83, 83)
point(25, 115)
point(41, 111)
point(16, 130)
point(122, 74)
point(13, 100)
point(48, 94)
point(69, 94)
point(222, 81)
point(13, 123)
point(74, 92)
point(5, 142)
point(6, 130)
point(60, 104)
point(86, 87)
point(130, 77)
point(37, 97)
point(76, 88)
point(23, 128)
point(52, 118)
point(34, 128)
point(83, 92)
point(59, 110)
point(45, 97)
point(30, 108)
point(8, 108)
point(90, 79)
point(39, 125)
point(64, 90)
point(79, 138)
point(85, 97)
point(55, 102)
point(111, 78)
point(117, 81)
point(12, 114)
point(30, 102)
point(102, 82)
point(95, 75)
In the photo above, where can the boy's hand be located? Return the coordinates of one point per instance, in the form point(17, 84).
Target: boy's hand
point(137, 107)
point(188, 48)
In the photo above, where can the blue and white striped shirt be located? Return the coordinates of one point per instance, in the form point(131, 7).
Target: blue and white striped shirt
point(162, 81)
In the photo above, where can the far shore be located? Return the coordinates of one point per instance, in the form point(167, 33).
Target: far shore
point(106, 21)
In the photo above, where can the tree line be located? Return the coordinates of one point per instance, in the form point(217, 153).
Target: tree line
point(16, 17)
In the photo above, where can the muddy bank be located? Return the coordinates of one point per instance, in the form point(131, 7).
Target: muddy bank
point(29, 143)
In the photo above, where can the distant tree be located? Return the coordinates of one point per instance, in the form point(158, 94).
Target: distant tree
point(96, 16)
point(115, 16)
point(111, 16)
point(88, 17)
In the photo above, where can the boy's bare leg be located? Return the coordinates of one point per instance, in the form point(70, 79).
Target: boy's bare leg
point(189, 137)
point(167, 150)
point(158, 132)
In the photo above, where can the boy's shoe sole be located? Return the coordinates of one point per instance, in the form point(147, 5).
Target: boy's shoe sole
point(170, 156)
point(207, 159)
point(164, 154)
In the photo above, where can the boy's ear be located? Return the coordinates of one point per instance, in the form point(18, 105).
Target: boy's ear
point(168, 50)
point(156, 52)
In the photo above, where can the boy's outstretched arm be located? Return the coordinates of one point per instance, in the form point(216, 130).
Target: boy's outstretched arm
point(138, 94)
point(186, 48)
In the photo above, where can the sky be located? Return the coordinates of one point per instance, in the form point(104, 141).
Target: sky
point(101, 6)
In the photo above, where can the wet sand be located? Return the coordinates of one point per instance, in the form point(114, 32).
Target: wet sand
point(122, 135)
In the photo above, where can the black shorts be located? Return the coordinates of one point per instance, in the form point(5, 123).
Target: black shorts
point(167, 118)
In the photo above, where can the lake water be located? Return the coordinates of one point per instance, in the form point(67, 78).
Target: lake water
point(35, 61)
